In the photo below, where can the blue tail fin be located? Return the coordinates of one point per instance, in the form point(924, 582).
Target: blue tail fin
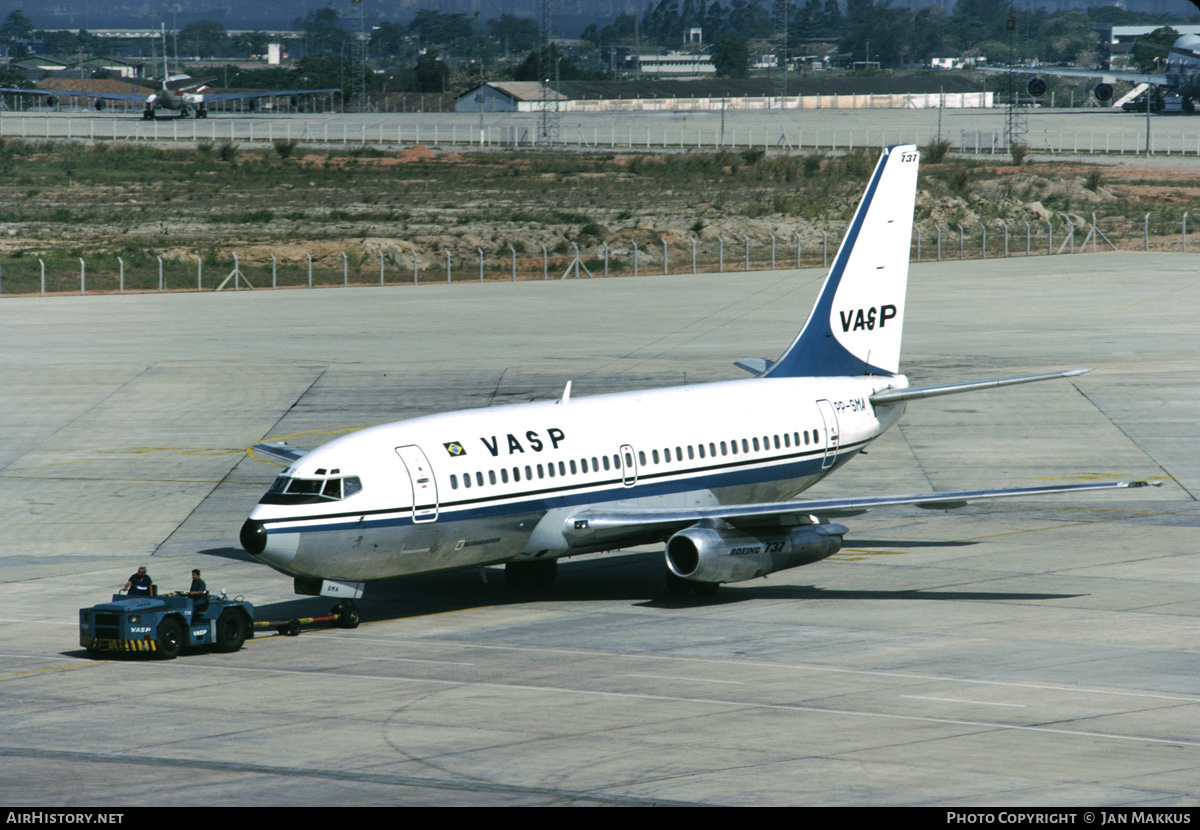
point(855, 326)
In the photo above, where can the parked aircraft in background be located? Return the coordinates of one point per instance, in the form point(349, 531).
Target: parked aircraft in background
point(178, 93)
point(712, 469)
point(1182, 75)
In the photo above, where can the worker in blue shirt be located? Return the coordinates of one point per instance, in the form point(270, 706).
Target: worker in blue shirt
point(140, 584)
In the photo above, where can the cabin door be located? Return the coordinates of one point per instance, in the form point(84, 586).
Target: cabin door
point(424, 487)
point(832, 437)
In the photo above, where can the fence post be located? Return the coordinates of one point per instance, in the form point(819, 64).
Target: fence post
point(42, 262)
point(961, 233)
point(918, 230)
point(635, 255)
point(414, 253)
point(199, 273)
point(693, 241)
point(798, 248)
point(772, 251)
point(1183, 239)
point(1028, 240)
point(513, 251)
point(345, 270)
point(1049, 237)
point(307, 254)
point(380, 269)
point(939, 242)
point(447, 250)
point(1146, 232)
point(545, 263)
point(824, 249)
point(666, 268)
point(480, 265)
point(1005, 239)
point(606, 259)
point(82, 277)
point(720, 255)
point(747, 251)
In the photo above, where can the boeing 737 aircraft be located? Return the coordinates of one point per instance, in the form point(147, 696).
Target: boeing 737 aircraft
point(1182, 75)
point(712, 469)
point(173, 94)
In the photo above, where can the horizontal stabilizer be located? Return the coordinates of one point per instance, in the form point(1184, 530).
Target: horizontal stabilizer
point(754, 365)
point(912, 393)
point(281, 450)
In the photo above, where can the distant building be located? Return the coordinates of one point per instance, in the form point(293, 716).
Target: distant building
point(672, 64)
point(820, 92)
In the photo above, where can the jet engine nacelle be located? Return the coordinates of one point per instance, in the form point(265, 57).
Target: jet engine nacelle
point(1103, 92)
point(1036, 87)
point(708, 554)
point(51, 101)
point(100, 104)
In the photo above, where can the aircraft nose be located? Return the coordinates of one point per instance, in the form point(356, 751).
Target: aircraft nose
point(254, 537)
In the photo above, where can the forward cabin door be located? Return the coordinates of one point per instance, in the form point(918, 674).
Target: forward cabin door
point(832, 436)
point(424, 487)
point(628, 466)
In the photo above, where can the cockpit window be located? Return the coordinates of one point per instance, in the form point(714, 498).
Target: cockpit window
point(289, 490)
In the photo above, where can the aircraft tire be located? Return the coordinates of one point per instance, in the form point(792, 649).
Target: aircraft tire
point(231, 631)
point(348, 615)
point(170, 639)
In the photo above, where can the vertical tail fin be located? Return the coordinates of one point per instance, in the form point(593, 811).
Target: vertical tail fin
point(855, 326)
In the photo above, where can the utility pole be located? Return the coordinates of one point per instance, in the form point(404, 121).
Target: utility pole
point(1016, 125)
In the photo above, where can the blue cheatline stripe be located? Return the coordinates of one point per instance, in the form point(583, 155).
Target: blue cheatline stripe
point(726, 475)
point(816, 352)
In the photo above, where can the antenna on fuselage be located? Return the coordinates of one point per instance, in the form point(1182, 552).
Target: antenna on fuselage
point(566, 398)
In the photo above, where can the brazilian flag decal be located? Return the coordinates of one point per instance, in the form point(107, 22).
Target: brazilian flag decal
point(455, 449)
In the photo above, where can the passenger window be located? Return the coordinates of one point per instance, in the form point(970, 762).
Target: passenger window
point(776, 442)
point(745, 445)
point(540, 473)
point(691, 452)
point(678, 453)
point(504, 474)
point(573, 467)
point(642, 457)
point(701, 448)
point(712, 450)
point(606, 462)
point(492, 476)
point(479, 479)
point(453, 482)
point(516, 473)
point(562, 468)
point(654, 455)
point(467, 481)
point(733, 447)
point(756, 445)
point(724, 449)
point(528, 473)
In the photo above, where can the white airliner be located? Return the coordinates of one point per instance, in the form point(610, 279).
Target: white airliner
point(174, 93)
point(711, 469)
point(1181, 75)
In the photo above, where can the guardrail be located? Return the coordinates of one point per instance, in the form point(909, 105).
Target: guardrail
point(20, 276)
point(391, 131)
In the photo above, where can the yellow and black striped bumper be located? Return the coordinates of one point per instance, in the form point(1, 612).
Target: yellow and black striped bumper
point(101, 644)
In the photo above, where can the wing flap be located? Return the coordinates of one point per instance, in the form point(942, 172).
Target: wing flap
point(888, 396)
point(595, 524)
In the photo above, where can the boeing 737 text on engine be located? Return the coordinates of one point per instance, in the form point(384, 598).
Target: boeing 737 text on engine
point(716, 483)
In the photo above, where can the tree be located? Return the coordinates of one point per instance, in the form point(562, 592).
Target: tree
point(1150, 50)
point(515, 34)
point(434, 27)
point(431, 72)
point(322, 32)
point(203, 38)
point(731, 57)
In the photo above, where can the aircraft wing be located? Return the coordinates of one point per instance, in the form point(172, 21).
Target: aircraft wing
point(1100, 74)
point(140, 97)
point(281, 450)
point(206, 97)
point(650, 523)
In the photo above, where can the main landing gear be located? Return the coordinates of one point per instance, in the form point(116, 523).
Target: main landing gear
point(347, 614)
